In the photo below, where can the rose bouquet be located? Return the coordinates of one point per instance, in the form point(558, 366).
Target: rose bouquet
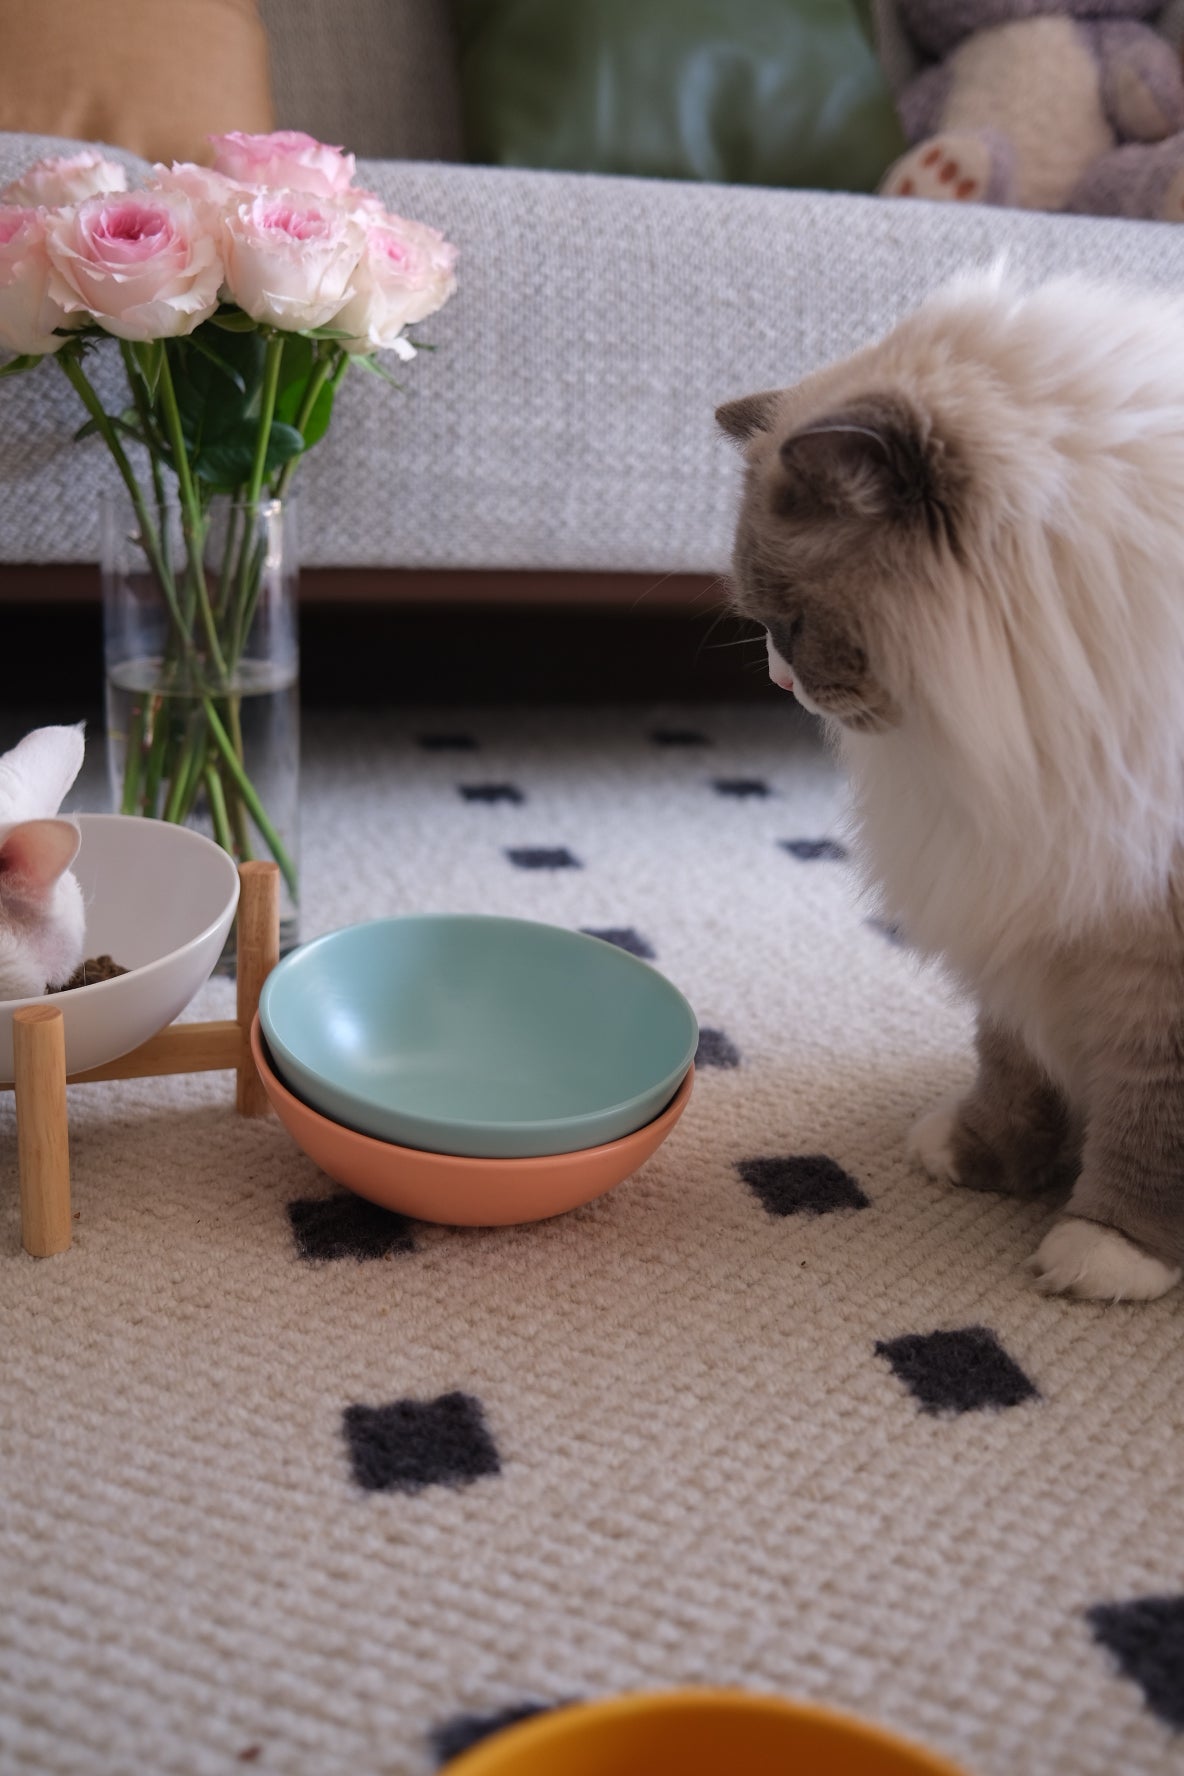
point(240, 294)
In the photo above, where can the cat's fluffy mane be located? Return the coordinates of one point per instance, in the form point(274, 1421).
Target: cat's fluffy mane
point(1035, 787)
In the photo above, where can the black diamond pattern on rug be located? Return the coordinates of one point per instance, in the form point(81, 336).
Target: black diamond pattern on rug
point(624, 937)
point(679, 737)
point(741, 787)
point(716, 1050)
point(491, 792)
point(962, 1371)
point(540, 857)
point(801, 1184)
point(411, 1444)
point(448, 742)
point(815, 850)
point(347, 1226)
point(463, 1731)
point(1146, 1636)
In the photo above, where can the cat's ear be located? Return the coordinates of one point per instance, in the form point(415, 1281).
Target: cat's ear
point(743, 419)
point(37, 772)
point(876, 458)
point(33, 854)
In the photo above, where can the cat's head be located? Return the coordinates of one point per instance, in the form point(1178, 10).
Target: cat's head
point(42, 919)
point(852, 502)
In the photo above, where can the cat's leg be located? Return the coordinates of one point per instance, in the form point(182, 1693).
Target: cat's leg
point(956, 166)
point(1122, 1237)
point(1012, 1132)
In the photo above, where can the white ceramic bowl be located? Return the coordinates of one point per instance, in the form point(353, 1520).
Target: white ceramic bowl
point(160, 900)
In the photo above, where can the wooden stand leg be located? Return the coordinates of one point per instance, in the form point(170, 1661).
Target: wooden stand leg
point(39, 1056)
point(43, 1141)
point(258, 953)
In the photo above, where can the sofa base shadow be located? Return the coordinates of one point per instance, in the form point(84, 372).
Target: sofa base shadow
point(377, 637)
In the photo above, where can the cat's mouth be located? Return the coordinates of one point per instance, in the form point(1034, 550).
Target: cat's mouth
point(779, 671)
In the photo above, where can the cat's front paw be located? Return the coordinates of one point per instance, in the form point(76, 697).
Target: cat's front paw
point(1096, 1263)
point(931, 1143)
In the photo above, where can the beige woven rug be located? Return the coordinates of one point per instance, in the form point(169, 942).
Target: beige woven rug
point(289, 1484)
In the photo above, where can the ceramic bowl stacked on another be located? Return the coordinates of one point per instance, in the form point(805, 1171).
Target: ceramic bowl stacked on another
point(474, 1070)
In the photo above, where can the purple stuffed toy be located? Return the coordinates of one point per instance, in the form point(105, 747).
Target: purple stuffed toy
point(1077, 106)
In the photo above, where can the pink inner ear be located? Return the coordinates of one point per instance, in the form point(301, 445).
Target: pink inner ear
point(34, 854)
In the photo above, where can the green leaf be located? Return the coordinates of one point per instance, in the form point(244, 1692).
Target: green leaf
point(323, 333)
point(296, 363)
point(213, 407)
point(28, 361)
point(316, 423)
point(149, 356)
point(120, 423)
point(297, 366)
point(226, 462)
point(375, 369)
point(232, 320)
point(206, 349)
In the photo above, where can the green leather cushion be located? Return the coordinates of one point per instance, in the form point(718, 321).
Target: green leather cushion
point(749, 92)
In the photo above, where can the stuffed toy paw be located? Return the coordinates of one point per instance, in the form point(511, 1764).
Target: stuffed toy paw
point(1137, 180)
point(1024, 101)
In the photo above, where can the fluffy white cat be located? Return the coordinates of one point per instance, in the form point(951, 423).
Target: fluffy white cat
point(966, 545)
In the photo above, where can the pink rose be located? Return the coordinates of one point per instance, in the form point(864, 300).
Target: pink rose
point(290, 258)
point(28, 314)
point(406, 272)
point(65, 179)
point(140, 263)
point(285, 159)
point(212, 195)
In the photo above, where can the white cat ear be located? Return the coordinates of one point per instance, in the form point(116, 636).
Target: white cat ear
point(33, 854)
point(37, 772)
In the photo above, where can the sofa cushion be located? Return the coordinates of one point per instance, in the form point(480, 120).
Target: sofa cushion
point(755, 92)
point(154, 76)
point(375, 76)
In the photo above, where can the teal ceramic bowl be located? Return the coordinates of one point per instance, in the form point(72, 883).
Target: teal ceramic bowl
point(469, 1034)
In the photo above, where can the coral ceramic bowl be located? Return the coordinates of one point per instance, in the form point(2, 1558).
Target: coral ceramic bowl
point(469, 1034)
point(458, 1190)
point(698, 1733)
point(160, 900)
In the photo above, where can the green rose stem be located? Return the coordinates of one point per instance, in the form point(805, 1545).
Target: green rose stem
point(247, 790)
point(193, 767)
point(192, 510)
point(271, 383)
point(72, 369)
point(329, 369)
point(316, 382)
point(239, 619)
point(218, 809)
point(248, 575)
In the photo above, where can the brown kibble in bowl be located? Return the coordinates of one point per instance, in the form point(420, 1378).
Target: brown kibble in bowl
point(95, 968)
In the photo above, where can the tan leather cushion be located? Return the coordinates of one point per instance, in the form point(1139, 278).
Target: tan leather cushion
point(155, 76)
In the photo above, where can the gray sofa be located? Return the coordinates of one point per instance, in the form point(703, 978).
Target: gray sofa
point(565, 422)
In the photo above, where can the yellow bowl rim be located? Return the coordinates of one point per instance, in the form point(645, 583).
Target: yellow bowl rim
point(556, 1725)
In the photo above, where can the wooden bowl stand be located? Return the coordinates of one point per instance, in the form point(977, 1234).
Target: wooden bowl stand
point(39, 1063)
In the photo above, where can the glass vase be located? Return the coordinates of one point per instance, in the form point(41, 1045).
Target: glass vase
point(202, 675)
